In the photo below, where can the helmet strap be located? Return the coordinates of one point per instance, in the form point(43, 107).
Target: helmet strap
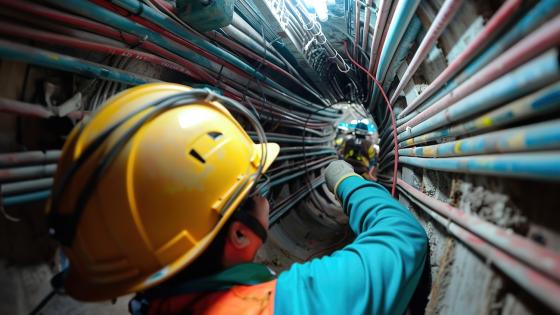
point(252, 223)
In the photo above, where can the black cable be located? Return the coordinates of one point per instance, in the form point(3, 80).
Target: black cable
point(64, 225)
point(63, 182)
point(253, 77)
point(307, 181)
point(43, 303)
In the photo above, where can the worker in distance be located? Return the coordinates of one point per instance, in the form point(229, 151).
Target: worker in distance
point(360, 148)
point(158, 195)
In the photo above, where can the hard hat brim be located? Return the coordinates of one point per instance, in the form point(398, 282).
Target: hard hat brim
point(271, 149)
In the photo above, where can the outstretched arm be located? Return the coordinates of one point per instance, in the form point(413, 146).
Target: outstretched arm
point(375, 274)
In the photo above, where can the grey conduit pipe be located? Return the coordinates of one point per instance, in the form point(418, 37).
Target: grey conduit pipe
point(10, 189)
point(30, 157)
point(10, 106)
point(444, 16)
point(26, 172)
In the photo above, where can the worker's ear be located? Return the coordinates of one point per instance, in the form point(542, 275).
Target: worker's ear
point(238, 235)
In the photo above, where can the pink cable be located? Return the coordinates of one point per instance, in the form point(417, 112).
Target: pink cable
point(61, 40)
point(98, 28)
point(393, 123)
point(169, 35)
point(165, 5)
point(494, 25)
point(545, 37)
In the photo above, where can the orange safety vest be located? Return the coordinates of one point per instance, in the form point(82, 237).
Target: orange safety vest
point(240, 299)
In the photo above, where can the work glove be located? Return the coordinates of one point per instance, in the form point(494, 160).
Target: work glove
point(336, 172)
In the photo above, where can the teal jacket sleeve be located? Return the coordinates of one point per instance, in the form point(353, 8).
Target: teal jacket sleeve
point(375, 274)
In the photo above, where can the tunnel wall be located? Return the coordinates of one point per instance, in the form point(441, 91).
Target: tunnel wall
point(474, 269)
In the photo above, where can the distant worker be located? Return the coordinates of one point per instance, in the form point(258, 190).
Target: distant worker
point(372, 130)
point(156, 196)
point(343, 133)
point(352, 125)
point(360, 150)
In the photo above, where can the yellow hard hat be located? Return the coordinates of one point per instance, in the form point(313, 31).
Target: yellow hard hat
point(131, 213)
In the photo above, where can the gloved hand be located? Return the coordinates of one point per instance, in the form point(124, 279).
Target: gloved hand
point(336, 172)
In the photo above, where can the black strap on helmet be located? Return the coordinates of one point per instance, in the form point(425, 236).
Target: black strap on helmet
point(252, 223)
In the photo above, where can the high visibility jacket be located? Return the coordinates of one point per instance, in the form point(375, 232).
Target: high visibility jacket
point(376, 274)
point(240, 299)
point(360, 153)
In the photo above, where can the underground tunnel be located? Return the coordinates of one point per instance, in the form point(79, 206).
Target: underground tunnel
point(461, 100)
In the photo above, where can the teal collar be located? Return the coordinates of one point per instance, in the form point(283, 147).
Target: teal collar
point(242, 274)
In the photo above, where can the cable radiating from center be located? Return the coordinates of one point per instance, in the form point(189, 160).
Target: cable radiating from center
point(393, 123)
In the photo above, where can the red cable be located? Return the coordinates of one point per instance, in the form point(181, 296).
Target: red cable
point(169, 9)
point(65, 41)
point(393, 123)
point(166, 6)
point(251, 55)
point(181, 65)
point(179, 40)
point(169, 35)
point(106, 31)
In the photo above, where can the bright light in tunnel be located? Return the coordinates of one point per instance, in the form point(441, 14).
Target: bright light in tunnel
point(320, 8)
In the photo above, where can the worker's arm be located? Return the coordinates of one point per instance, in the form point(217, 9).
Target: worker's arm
point(375, 274)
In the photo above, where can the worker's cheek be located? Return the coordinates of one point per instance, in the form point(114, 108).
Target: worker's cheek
point(253, 247)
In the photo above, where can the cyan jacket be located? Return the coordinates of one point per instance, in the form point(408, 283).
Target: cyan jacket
point(376, 274)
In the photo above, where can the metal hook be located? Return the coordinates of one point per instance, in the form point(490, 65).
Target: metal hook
point(324, 42)
point(309, 44)
point(335, 55)
point(305, 25)
point(343, 71)
point(7, 216)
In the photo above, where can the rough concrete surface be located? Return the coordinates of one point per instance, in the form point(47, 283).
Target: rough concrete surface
point(22, 288)
point(489, 205)
point(462, 282)
point(467, 285)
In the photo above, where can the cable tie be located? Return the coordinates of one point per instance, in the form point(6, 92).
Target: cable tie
point(219, 80)
point(8, 216)
point(210, 96)
point(139, 42)
point(319, 32)
point(343, 71)
point(308, 28)
point(448, 225)
point(141, 10)
point(335, 55)
point(308, 44)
